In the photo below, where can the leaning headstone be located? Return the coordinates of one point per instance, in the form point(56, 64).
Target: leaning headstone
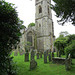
point(45, 57)
point(49, 57)
point(37, 55)
point(33, 64)
point(26, 56)
point(32, 54)
point(68, 63)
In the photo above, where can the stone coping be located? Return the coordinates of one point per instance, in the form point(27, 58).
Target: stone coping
point(58, 58)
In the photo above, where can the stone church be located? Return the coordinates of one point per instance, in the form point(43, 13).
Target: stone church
point(41, 36)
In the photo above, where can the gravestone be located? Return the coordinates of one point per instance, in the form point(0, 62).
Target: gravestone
point(68, 63)
point(26, 56)
point(32, 54)
point(40, 54)
point(37, 55)
point(52, 54)
point(47, 52)
point(49, 57)
point(45, 57)
point(33, 64)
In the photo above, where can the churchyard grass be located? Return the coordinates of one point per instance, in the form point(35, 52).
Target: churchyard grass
point(23, 68)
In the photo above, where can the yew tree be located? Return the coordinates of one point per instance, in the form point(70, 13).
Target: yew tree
point(10, 26)
point(65, 10)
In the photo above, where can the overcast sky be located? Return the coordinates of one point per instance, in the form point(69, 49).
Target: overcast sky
point(26, 12)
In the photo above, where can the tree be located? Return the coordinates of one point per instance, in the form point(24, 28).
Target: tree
point(63, 34)
point(65, 9)
point(70, 49)
point(65, 44)
point(60, 44)
point(70, 38)
point(31, 25)
point(10, 26)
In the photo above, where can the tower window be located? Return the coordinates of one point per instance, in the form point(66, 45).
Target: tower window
point(39, 25)
point(40, 9)
point(48, 10)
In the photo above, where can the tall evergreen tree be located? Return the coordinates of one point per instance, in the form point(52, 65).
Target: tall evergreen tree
point(10, 26)
point(65, 9)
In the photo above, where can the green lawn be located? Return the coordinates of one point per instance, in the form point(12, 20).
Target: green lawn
point(42, 69)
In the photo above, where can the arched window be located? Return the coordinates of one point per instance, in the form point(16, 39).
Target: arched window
point(29, 38)
point(40, 9)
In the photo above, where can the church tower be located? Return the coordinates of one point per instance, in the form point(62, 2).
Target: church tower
point(44, 25)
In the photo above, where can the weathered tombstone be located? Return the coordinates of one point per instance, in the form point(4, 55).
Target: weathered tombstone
point(45, 57)
point(40, 54)
point(52, 54)
point(26, 56)
point(49, 57)
point(68, 63)
point(47, 52)
point(33, 64)
point(32, 54)
point(37, 55)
